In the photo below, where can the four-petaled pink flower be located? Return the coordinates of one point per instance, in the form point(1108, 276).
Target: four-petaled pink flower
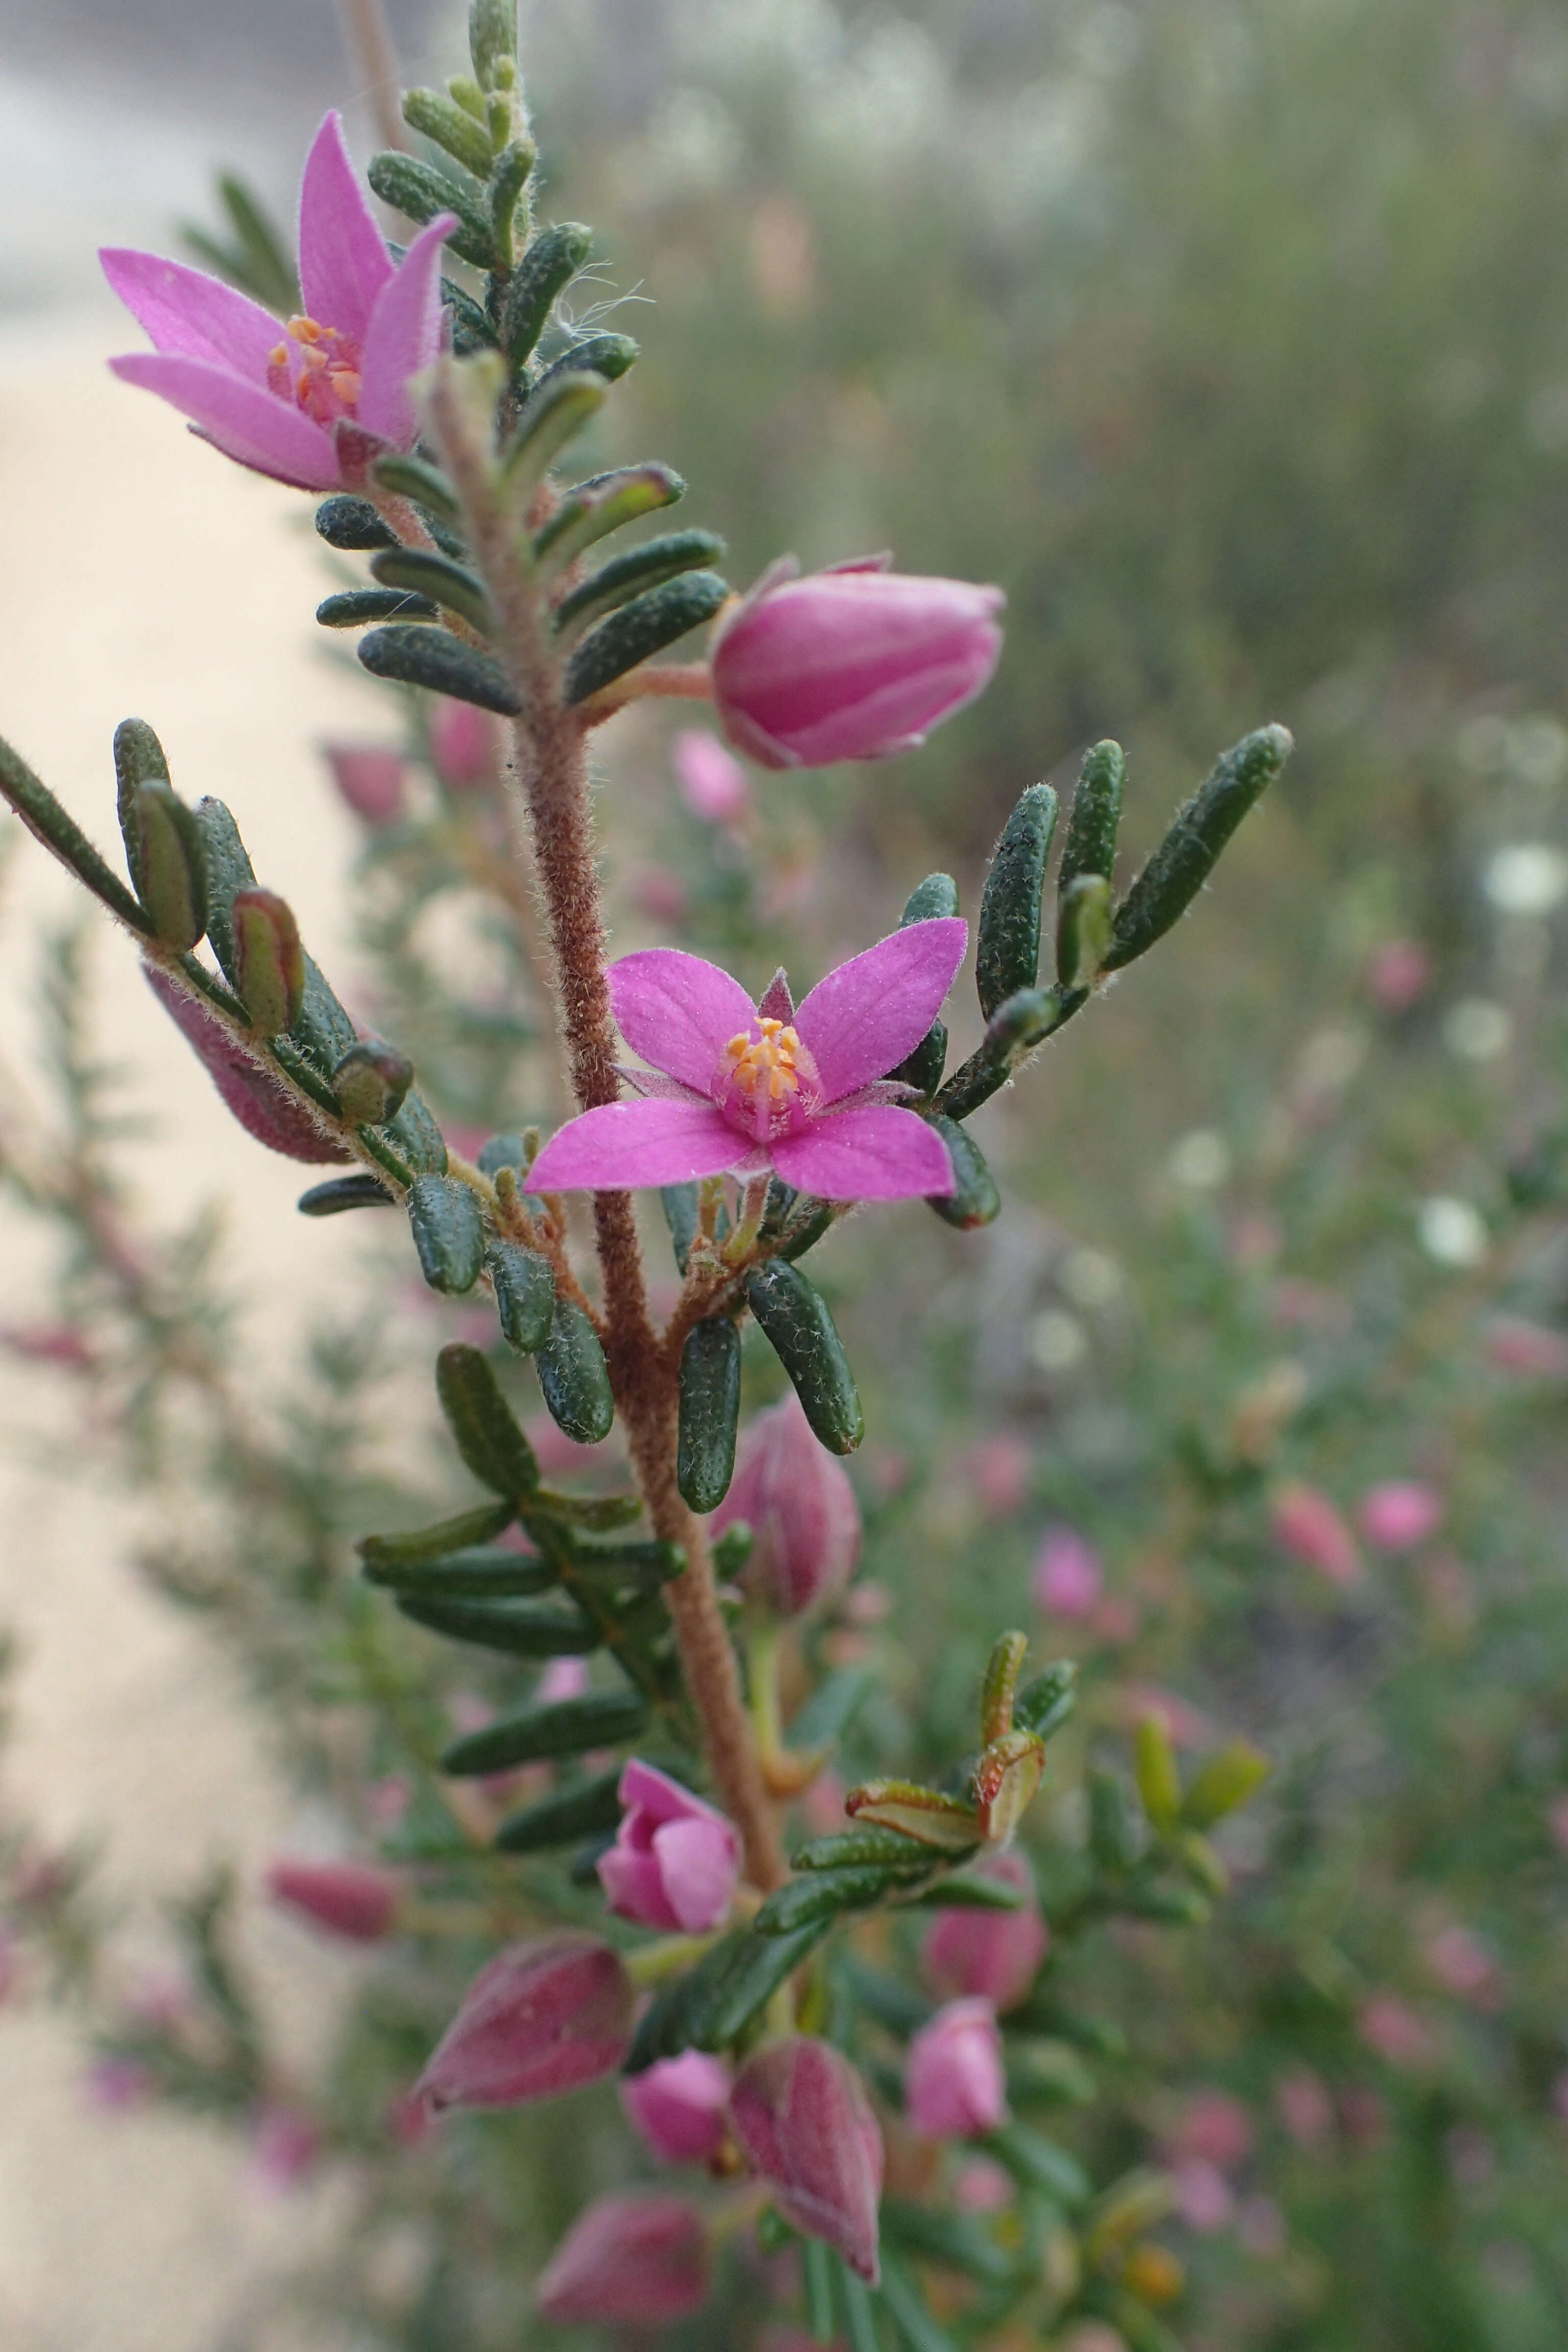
point(738, 1088)
point(853, 663)
point(271, 397)
point(675, 1860)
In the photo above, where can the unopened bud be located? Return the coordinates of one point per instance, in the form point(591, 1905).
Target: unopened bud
point(348, 1898)
point(270, 962)
point(954, 2087)
point(993, 1956)
point(802, 2118)
point(262, 1104)
point(370, 1081)
point(800, 1506)
point(541, 2019)
point(636, 2261)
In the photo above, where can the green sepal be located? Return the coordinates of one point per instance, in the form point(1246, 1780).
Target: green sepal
point(525, 1286)
point(1187, 857)
point(822, 1895)
point(412, 654)
point(372, 1082)
point(552, 416)
point(425, 484)
point(927, 1814)
point(923, 1069)
point(573, 1376)
point(934, 898)
point(646, 626)
point(478, 1572)
point(609, 356)
point(1094, 817)
point(1224, 1783)
point(340, 1192)
point(974, 1200)
point(448, 1233)
point(492, 37)
point(352, 524)
point(414, 1133)
point(59, 833)
point(640, 568)
point(509, 179)
point(439, 580)
point(478, 1525)
point(269, 962)
point(523, 1629)
point(1040, 2163)
point(1083, 930)
point(436, 117)
point(171, 863)
point(1044, 1705)
point(861, 1849)
point(709, 1412)
point(565, 1816)
point(543, 275)
point(486, 1428)
point(1007, 950)
point(565, 1728)
point(354, 608)
point(1000, 1685)
point(792, 1315)
point(419, 192)
point(591, 510)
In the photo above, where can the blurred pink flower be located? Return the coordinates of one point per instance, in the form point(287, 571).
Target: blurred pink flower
point(1307, 1526)
point(463, 745)
point(1398, 973)
point(1400, 1513)
point(983, 2186)
point(274, 397)
point(999, 1473)
point(800, 1506)
point(995, 1956)
point(712, 782)
point(1391, 2027)
point(954, 2086)
point(1557, 1819)
point(823, 1804)
point(284, 2148)
point(263, 1106)
point(561, 1678)
point(49, 1343)
point(675, 1860)
point(1531, 1350)
point(117, 2084)
point(1204, 2199)
point(678, 2106)
point(351, 1899)
point(1067, 1580)
point(1215, 2129)
point(371, 779)
point(639, 2259)
point(1465, 1967)
point(1305, 2108)
point(806, 2126)
point(544, 2017)
point(853, 663)
point(659, 892)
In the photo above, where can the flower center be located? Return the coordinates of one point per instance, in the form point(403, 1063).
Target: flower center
point(767, 1082)
point(317, 368)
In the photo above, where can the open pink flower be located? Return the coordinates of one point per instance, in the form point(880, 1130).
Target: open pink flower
point(675, 1860)
point(738, 1088)
point(853, 663)
point(1400, 1513)
point(954, 2086)
point(272, 396)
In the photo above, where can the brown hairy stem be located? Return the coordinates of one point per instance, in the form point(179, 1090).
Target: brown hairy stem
point(552, 767)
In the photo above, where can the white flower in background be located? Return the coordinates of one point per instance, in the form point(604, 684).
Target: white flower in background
point(1528, 877)
point(1200, 1159)
point(1478, 1030)
point(1451, 1230)
point(1090, 1278)
point(1057, 1341)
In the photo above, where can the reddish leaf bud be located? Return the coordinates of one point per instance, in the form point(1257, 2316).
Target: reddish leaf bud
point(539, 2020)
point(802, 2116)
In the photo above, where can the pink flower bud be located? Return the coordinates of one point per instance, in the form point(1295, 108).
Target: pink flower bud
point(284, 2150)
point(1310, 1528)
point(1214, 2129)
point(1204, 2195)
point(462, 745)
point(798, 1502)
point(636, 2261)
point(347, 1898)
point(1390, 2027)
point(370, 778)
point(1529, 1349)
point(954, 2087)
point(1399, 973)
point(678, 2105)
point(263, 1106)
point(542, 2017)
point(999, 1473)
point(1400, 1513)
point(850, 664)
point(1067, 1580)
point(675, 1860)
point(992, 1956)
point(1305, 2108)
point(802, 2116)
point(712, 784)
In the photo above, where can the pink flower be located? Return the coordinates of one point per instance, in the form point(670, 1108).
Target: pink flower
point(347, 1898)
point(370, 778)
point(561, 1678)
point(738, 1088)
point(117, 2084)
point(1214, 2129)
point(850, 664)
point(1310, 1528)
point(462, 745)
point(1204, 2195)
point(675, 1860)
point(712, 784)
point(1305, 2108)
point(999, 1473)
point(678, 2105)
point(983, 2186)
point(263, 1106)
point(272, 397)
point(803, 2121)
point(1399, 973)
point(542, 2017)
point(638, 2260)
point(1529, 1349)
point(1400, 1513)
point(1390, 2027)
point(285, 2149)
point(1465, 1967)
point(993, 1956)
point(797, 1500)
point(954, 2087)
point(1067, 1580)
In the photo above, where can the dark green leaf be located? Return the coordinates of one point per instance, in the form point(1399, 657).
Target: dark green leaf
point(1186, 858)
point(609, 356)
point(709, 1412)
point(138, 759)
point(642, 628)
point(923, 1069)
point(480, 1572)
point(447, 1536)
point(488, 1437)
point(1044, 1705)
point(353, 608)
point(552, 416)
point(592, 510)
point(757, 1969)
point(47, 821)
point(1007, 955)
point(1095, 813)
point(566, 1728)
point(438, 578)
point(420, 192)
point(448, 1233)
point(573, 1376)
point(352, 524)
point(508, 180)
point(936, 896)
point(525, 1286)
point(955, 2241)
point(958, 1892)
point(492, 39)
point(976, 1200)
point(524, 1629)
point(417, 479)
point(545, 272)
point(646, 566)
point(329, 1200)
point(831, 1708)
point(646, 1566)
point(565, 1816)
point(434, 658)
point(414, 1133)
point(436, 117)
point(229, 870)
point(794, 1318)
point(821, 1895)
point(871, 1848)
point(599, 1513)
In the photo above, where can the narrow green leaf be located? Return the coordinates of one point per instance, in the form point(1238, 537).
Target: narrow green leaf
point(49, 823)
point(269, 272)
point(448, 1233)
point(961, 1891)
point(229, 869)
point(508, 182)
point(1083, 930)
point(936, 896)
point(822, 1895)
point(172, 863)
point(492, 41)
point(565, 1816)
point(543, 275)
point(644, 627)
point(524, 1629)
point(974, 1200)
point(1000, 1685)
point(138, 759)
point(354, 608)
point(553, 417)
point(831, 1708)
point(412, 654)
point(761, 1964)
point(481, 1421)
point(1168, 1906)
point(417, 479)
point(590, 510)
point(352, 524)
point(329, 1200)
point(645, 1566)
point(821, 2316)
point(917, 2330)
point(473, 330)
point(435, 116)
point(1007, 954)
point(709, 1412)
point(1187, 857)
point(1094, 817)
point(566, 1728)
point(1044, 1705)
point(447, 1536)
point(792, 1315)
point(1225, 1782)
point(414, 1133)
point(858, 2308)
point(640, 568)
point(480, 1572)
point(438, 578)
point(597, 1513)
point(573, 1376)
point(609, 356)
point(1114, 1837)
point(419, 192)
point(957, 2242)
point(869, 1848)
point(525, 1286)
point(1040, 2163)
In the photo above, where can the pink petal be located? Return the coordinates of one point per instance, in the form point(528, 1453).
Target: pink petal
point(404, 336)
point(245, 422)
point(192, 316)
point(861, 1020)
point(625, 1146)
point(680, 1013)
point(634, 1887)
point(655, 1082)
point(343, 260)
point(647, 1789)
point(698, 1861)
point(876, 1154)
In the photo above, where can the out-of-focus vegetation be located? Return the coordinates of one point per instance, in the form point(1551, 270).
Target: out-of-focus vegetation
point(1232, 340)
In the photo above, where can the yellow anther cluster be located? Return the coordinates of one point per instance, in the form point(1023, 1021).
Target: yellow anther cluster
point(770, 1058)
